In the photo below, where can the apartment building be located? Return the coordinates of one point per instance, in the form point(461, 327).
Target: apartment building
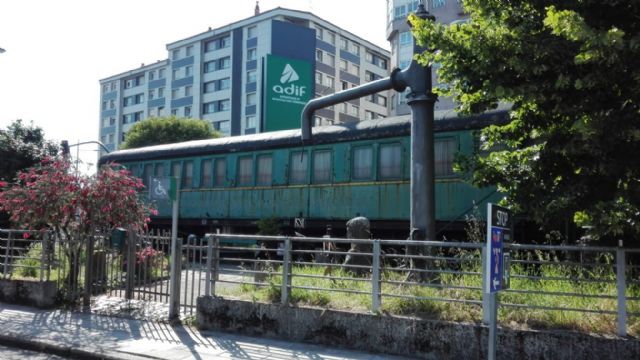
point(250, 76)
point(401, 39)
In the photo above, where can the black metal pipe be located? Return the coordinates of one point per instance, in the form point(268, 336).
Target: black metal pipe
point(395, 81)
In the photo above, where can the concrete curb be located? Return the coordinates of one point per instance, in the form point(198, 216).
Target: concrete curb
point(74, 352)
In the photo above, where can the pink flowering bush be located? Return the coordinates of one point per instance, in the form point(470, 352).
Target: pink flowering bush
point(52, 195)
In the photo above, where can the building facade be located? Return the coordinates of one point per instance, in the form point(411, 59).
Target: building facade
point(220, 76)
point(401, 39)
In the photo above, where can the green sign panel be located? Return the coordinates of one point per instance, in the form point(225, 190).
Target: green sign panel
point(288, 88)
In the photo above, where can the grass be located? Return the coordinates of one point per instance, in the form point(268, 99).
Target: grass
point(455, 303)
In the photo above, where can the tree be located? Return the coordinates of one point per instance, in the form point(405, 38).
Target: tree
point(570, 71)
point(53, 196)
point(22, 146)
point(167, 130)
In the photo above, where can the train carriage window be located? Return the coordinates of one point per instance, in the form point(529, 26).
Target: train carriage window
point(221, 172)
point(159, 170)
point(390, 165)
point(175, 169)
point(205, 173)
point(187, 179)
point(245, 171)
point(322, 166)
point(146, 174)
point(445, 150)
point(362, 163)
point(299, 167)
point(265, 167)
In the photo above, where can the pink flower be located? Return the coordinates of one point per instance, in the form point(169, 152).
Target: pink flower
point(25, 235)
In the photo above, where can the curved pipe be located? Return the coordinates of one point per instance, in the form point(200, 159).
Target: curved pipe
point(396, 81)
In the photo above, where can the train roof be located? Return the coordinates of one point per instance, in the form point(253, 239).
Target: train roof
point(368, 129)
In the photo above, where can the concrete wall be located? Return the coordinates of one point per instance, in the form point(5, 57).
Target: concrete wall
point(30, 293)
point(402, 335)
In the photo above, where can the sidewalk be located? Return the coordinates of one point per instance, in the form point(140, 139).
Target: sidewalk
point(91, 336)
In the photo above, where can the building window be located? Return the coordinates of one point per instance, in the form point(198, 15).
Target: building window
point(251, 76)
point(445, 150)
point(175, 73)
point(113, 86)
point(319, 32)
point(175, 54)
point(344, 44)
point(362, 163)
point(318, 78)
point(437, 3)
point(321, 166)
point(354, 48)
point(188, 90)
point(175, 93)
point(251, 99)
point(369, 57)
point(252, 54)
point(245, 171)
point(190, 50)
point(217, 85)
point(252, 32)
point(160, 110)
point(152, 94)
point(331, 38)
point(216, 106)
point(328, 81)
point(224, 63)
point(160, 92)
point(405, 38)
point(345, 85)
point(206, 170)
point(188, 70)
point(221, 172)
point(174, 112)
point(152, 75)
point(354, 69)
point(216, 44)
point(111, 136)
point(319, 55)
point(265, 165)
point(299, 166)
point(344, 65)
point(161, 73)
point(390, 161)
point(250, 122)
point(187, 111)
point(330, 60)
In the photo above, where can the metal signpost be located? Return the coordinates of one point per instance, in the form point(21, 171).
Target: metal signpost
point(164, 189)
point(497, 265)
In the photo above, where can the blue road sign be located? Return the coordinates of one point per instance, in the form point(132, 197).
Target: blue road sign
point(498, 230)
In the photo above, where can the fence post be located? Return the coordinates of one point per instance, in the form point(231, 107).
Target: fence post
point(43, 254)
point(622, 285)
point(286, 269)
point(88, 273)
point(216, 260)
point(375, 278)
point(207, 285)
point(131, 258)
point(486, 300)
point(6, 255)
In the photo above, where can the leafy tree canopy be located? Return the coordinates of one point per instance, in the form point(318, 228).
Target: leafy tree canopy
point(570, 70)
point(22, 146)
point(167, 130)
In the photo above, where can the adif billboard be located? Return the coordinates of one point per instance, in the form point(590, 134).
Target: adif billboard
point(288, 87)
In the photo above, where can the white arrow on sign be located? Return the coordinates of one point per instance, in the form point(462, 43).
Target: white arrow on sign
point(496, 282)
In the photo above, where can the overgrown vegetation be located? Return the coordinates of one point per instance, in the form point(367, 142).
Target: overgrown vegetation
point(458, 297)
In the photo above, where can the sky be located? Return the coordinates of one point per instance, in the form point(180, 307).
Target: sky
point(58, 50)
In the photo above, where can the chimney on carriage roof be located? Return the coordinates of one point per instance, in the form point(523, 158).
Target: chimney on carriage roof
point(257, 10)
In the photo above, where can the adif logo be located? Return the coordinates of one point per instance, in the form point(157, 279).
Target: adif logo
point(288, 76)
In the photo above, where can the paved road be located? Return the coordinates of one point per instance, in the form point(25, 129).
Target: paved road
point(8, 353)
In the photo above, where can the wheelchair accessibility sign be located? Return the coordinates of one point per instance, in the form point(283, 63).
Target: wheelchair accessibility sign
point(162, 188)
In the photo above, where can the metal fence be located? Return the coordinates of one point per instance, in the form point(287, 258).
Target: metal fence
point(26, 254)
point(561, 284)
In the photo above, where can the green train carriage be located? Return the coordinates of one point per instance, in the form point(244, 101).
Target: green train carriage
point(360, 169)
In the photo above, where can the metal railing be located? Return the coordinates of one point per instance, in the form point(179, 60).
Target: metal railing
point(545, 280)
point(26, 254)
